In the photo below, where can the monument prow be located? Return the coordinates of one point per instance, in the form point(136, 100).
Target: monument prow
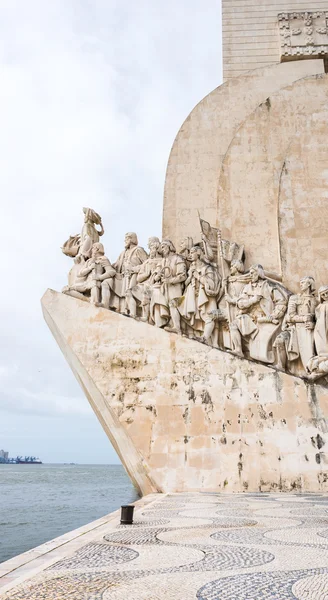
point(184, 416)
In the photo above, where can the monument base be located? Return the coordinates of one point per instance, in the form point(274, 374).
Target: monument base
point(183, 416)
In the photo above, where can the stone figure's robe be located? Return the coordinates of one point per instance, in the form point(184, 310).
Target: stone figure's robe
point(130, 257)
point(173, 266)
point(145, 280)
point(272, 302)
point(321, 329)
point(269, 298)
point(234, 288)
point(200, 296)
point(301, 340)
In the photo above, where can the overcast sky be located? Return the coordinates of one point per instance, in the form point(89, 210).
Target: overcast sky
point(92, 94)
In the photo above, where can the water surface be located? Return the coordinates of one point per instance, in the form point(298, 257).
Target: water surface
point(40, 502)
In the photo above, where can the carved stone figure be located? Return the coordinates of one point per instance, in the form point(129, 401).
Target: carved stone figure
point(82, 243)
point(184, 249)
point(170, 277)
point(91, 275)
point(318, 365)
point(145, 277)
point(262, 305)
point(90, 235)
point(116, 291)
point(200, 297)
point(295, 344)
point(233, 285)
point(230, 250)
point(250, 313)
point(321, 326)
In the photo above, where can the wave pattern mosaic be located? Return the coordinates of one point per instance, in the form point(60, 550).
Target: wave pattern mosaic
point(208, 547)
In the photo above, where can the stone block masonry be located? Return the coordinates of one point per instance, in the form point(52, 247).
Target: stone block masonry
point(251, 34)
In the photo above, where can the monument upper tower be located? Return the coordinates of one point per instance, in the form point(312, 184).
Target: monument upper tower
point(252, 32)
point(251, 157)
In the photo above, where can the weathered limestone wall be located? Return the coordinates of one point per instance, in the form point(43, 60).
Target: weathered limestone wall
point(251, 158)
point(250, 32)
point(184, 416)
point(274, 181)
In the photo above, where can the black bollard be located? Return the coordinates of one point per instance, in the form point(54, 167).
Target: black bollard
point(127, 515)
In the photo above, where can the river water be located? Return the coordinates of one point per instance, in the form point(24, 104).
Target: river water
point(40, 502)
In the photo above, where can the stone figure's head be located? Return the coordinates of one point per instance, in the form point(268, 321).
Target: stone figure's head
point(307, 283)
point(195, 253)
point(237, 266)
point(167, 247)
point(154, 249)
point(130, 239)
point(97, 250)
point(323, 293)
point(256, 272)
point(186, 244)
point(153, 242)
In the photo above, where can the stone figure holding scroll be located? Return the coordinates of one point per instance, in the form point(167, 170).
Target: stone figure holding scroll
point(261, 308)
point(170, 277)
point(295, 344)
point(116, 292)
point(200, 296)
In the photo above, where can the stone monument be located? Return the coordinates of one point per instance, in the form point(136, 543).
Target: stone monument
point(206, 360)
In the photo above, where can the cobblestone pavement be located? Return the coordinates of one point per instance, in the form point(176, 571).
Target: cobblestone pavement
point(198, 546)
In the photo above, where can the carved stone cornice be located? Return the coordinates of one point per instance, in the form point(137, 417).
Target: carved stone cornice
point(303, 35)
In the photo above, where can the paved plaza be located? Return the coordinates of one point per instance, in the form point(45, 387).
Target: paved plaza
point(185, 546)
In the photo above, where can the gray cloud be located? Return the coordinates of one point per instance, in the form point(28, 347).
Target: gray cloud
point(92, 96)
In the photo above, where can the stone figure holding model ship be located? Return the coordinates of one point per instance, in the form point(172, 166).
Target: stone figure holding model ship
point(204, 292)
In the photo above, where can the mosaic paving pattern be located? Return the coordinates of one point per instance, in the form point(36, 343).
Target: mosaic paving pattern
point(249, 547)
point(70, 587)
point(230, 558)
point(269, 586)
point(97, 555)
